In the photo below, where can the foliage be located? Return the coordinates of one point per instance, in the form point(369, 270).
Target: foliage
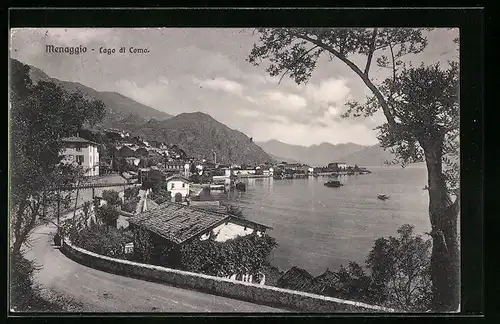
point(112, 197)
point(142, 245)
point(420, 106)
point(242, 255)
point(402, 267)
point(102, 240)
point(234, 210)
point(154, 180)
point(398, 274)
point(108, 215)
point(130, 204)
point(131, 192)
point(160, 195)
point(41, 115)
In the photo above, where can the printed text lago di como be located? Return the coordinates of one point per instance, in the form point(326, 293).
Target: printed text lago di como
point(77, 50)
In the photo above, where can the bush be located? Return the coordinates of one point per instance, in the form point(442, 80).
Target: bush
point(108, 215)
point(111, 197)
point(130, 205)
point(131, 192)
point(242, 255)
point(160, 195)
point(109, 242)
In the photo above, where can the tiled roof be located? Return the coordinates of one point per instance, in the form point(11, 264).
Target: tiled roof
point(74, 139)
point(178, 223)
point(296, 279)
point(176, 177)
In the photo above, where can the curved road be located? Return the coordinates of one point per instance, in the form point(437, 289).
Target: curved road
point(100, 291)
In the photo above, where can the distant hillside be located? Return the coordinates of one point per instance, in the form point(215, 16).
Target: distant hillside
point(199, 135)
point(370, 156)
point(118, 106)
point(325, 153)
point(321, 154)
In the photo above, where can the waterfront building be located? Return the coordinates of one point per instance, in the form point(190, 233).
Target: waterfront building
point(173, 225)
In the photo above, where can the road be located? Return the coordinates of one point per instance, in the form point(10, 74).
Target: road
point(100, 291)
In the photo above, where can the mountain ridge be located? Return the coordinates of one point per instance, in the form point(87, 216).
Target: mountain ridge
point(324, 153)
point(117, 105)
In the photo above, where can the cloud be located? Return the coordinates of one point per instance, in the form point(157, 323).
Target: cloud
point(153, 94)
point(328, 91)
point(223, 84)
point(286, 101)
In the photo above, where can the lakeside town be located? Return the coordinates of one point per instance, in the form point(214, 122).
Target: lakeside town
point(159, 190)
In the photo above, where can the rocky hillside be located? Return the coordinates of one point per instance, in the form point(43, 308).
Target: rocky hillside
point(199, 135)
point(118, 106)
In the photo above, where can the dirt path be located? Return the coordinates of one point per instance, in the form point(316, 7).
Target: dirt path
point(100, 291)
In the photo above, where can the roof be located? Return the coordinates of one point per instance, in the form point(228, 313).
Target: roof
point(176, 177)
point(178, 223)
point(296, 278)
point(75, 139)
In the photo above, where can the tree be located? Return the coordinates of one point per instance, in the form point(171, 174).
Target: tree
point(421, 115)
point(108, 215)
point(41, 115)
point(112, 197)
point(400, 268)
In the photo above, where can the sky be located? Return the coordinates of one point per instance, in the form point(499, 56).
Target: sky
point(205, 69)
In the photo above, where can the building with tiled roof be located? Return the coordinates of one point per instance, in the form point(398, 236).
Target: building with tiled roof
point(171, 225)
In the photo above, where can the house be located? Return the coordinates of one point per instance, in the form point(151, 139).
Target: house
point(174, 166)
point(178, 186)
point(337, 166)
point(82, 152)
point(172, 225)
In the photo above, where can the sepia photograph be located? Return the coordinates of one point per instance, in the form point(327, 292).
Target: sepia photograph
point(234, 170)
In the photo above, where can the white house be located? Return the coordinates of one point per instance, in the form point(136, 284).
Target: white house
point(82, 152)
point(177, 185)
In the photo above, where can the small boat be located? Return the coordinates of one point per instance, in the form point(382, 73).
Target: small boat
point(382, 197)
point(241, 186)
point(333, 184)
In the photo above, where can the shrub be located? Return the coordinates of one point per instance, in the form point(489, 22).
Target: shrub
point(160, 195)
point(111, 197)
point(131, 192)
point(108, 215)
point(130, 205)
point(242, 255)
point(100, 240)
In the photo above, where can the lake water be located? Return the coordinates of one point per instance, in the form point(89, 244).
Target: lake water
point(318, 227)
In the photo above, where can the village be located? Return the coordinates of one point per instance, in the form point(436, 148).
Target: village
point(158, 189)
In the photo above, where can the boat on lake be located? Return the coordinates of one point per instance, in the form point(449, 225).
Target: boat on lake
point(333, 184)
point(241, 186)
point(382, 197)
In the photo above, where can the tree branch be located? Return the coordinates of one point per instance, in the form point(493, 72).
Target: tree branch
point(295, 62)
point(357, 70)
point(370, 52)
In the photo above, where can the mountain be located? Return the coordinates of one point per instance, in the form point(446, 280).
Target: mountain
point(370, 156)
point(118, 106)
point(321, 154)
point(324, 153)
point(199, 135)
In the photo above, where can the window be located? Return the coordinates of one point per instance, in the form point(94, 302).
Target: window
point(80, 159)
point(183, 185)
point(172, 186)
point(78, 148)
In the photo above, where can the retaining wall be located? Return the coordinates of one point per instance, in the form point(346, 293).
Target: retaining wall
point(259, 294)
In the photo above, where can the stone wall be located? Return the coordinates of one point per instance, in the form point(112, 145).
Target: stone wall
point(255, 293)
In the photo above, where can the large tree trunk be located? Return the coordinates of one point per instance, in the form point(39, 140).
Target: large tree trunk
point(445, 260)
